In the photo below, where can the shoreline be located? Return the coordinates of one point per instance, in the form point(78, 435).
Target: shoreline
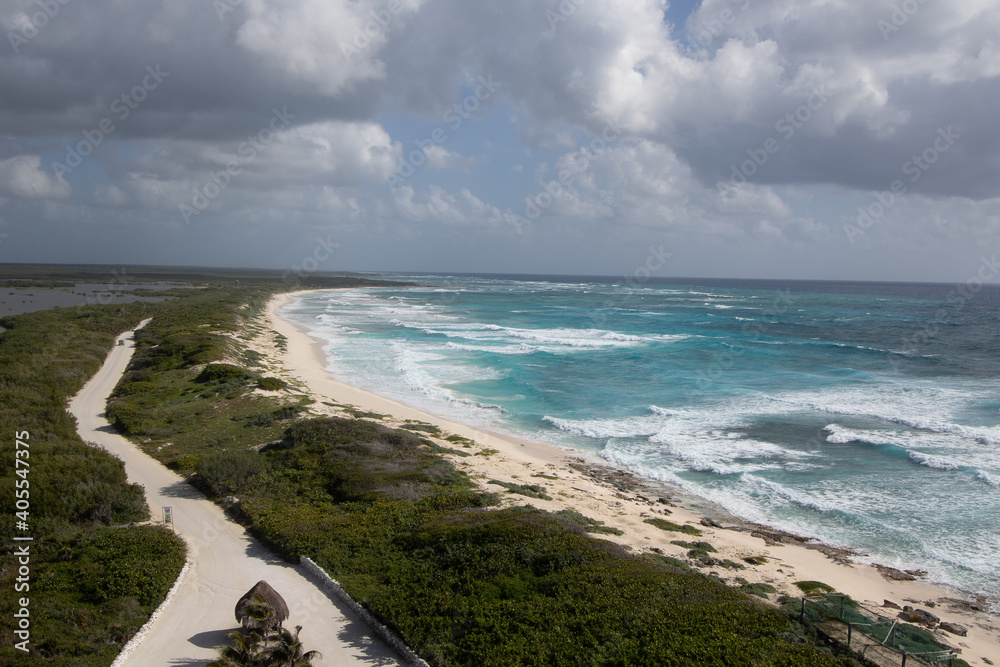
point(625, 500)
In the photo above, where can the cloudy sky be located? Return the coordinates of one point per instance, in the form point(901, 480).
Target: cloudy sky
point(830, 139)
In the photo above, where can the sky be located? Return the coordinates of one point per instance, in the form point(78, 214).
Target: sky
point(795, 139)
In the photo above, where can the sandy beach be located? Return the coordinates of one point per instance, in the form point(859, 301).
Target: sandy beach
point(624, 501)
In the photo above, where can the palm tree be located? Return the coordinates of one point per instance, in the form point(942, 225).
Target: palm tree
point(259, 613)
point(287, 652)
point(247, 651)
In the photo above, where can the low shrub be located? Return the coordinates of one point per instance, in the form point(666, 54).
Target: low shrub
point(702, 546)
point(758, 589)
point(530, 490)
point(813, 587)
point(588, 524)
point(271, 384)
point(223, 374)
point(228, 472)
point(663, 524)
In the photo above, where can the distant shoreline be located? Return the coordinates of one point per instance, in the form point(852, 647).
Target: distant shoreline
point(574, 482)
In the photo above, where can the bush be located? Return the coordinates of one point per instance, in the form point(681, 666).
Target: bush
point(760, 590)
point(813, 587)
point(271, 384)
point(663, 524)
point(701, 546)
point(229, 471)
point(126, 418)
point(530, 490)
point(223, 374)
point(588, 524)
point(140, 563)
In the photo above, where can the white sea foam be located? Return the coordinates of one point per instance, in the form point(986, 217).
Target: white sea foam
point(991, 479)
point(625, 427)
point(923, 408)
point(522, 348)
point(931, 461)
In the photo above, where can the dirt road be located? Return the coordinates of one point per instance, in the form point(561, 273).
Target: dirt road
point(224, 561)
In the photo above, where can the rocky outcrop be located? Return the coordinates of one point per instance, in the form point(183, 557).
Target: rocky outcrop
point(920, 616)
point(954, 628)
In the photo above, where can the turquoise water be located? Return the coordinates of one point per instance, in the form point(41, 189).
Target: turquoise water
point(866, 415)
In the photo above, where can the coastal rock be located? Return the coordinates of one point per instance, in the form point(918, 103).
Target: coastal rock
point(889, 604)
point(954, 628)
point(709, 523)
point(892, 574)
point(768, 540)
point(962, 605)
point(920, 616)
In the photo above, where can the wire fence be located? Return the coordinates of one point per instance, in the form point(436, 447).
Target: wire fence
point(884, 641)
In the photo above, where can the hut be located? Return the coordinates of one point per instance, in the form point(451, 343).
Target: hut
point(261, 609)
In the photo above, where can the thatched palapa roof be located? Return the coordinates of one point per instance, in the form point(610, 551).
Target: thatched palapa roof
point(270, 596)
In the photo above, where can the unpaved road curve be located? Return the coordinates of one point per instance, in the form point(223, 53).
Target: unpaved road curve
point(224, 561)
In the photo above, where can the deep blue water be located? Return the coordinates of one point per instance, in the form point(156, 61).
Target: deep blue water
point(863, 414)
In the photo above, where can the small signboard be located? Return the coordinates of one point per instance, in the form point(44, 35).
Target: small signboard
point(168, 516)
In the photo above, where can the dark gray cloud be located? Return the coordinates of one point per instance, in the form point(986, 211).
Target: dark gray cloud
point(766, 124)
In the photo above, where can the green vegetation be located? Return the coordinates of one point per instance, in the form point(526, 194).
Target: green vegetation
point(663, 524)
point(271, 384)
point(588, 524)
point(760, 590)
point(36, 284)
point(278, 648)
point(422, 427)
point(755, 560)
point(700, 546)
point(671, 561)
point(92, 587)
point(406, 533)
point(530, 490)
point(362, 414)
point(813, 587)
point(224, 472)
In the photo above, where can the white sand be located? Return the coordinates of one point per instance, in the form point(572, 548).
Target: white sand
point(304, 363)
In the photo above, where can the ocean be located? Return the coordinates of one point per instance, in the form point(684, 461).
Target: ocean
point(866, 415)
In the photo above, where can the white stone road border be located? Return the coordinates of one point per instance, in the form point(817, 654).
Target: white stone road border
point(387, 635)
point(145, 629)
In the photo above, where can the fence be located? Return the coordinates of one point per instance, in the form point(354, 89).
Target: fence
point(884, 641)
